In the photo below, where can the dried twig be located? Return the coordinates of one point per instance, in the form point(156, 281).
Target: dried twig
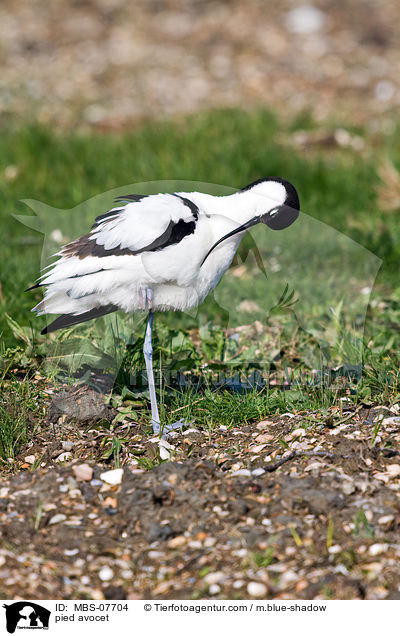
point(271, 467)
point(187, 405)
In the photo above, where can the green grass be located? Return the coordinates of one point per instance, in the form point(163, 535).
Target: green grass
point(319, 270)
point(19, 413)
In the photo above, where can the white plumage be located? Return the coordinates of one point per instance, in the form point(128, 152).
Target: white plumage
point(160, 252)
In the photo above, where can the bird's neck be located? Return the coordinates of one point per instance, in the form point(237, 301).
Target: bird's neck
point(238, 207)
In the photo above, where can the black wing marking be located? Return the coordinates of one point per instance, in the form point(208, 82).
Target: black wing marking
point(176, 231)
point(67, 320)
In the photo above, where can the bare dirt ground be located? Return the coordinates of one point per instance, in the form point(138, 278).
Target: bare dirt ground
point(110, 63)
point(267, 510)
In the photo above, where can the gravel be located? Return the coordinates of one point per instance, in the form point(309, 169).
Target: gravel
point(108, 65)
point(221, 523)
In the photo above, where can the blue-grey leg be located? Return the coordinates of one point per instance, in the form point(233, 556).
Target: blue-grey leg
point(147, 298)
point(148, 356)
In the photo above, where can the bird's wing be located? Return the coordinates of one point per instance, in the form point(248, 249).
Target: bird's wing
point(139, 224)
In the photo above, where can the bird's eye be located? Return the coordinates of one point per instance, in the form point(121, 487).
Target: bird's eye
point(280, 218)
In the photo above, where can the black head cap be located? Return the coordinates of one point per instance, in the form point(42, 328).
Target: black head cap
point(284, 215)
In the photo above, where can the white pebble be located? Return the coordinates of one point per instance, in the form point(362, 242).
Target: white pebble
point(59, 518)
point(257, 472)
point(348, 488)
point(164, 452)
point(393, 470)
point(209, 542)
point(377, 548)
point(387, 519)
point(305, 19)
point(64, 457)
point(214, 577)
point(83, 472)
point(112, 477)
point(389, 421)
point(106, 573)
point(214, 589)
point(335, 549)
point(241, 473)
point(257, 590)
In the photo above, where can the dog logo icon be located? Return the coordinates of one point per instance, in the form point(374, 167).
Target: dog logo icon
point(26, 615)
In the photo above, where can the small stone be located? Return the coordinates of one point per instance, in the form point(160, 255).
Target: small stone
point(335, 549)
point(214, 589)
point(67, 446)
point(155, 554)
point(257, 472)
point(58, 518)
point(369, 515)
point(348, 488)
point(214, 577)
point(391, 421)
point(241, 473)
point(377, 548)
point(110, 502)
point(256, 590)
point(106, 573)
point(289, 577)
point(164, 449)
point(387, 521)
point(161, 588)
point(257, 449)
point(173, 479)
point(373, 569)
point(209, 542)
point(382, 477)
point(238, 584)
point(71, 552)
point(305, 19)
point(112, 477)
point(30, 459)
point(177, 542)
point(393, 470)
point(83, 472)
point(64, 457)
point(262, 426)
point(49, 506)
point(264, 438)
